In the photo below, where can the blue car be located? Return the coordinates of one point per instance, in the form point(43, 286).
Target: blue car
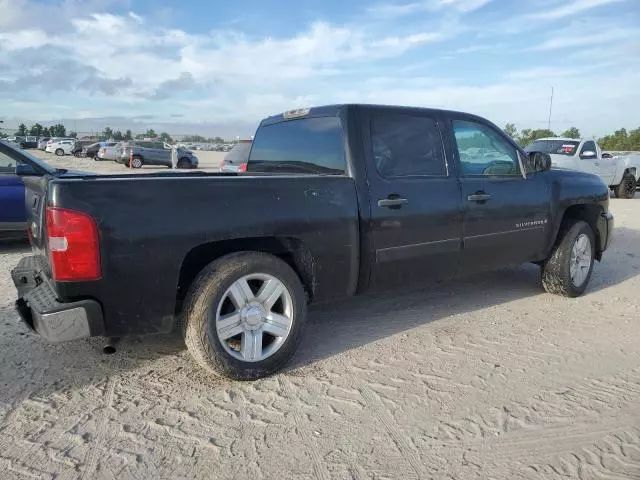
point(13, 213)
point(14, 165)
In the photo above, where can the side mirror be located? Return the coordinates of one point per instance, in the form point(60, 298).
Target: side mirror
point(588, 154)
point(26, 170)
point(540, 162)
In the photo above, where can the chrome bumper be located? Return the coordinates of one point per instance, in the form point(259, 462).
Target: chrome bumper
point(43, 313)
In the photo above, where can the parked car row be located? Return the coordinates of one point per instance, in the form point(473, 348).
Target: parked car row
point(137, 153)
point(217, 147)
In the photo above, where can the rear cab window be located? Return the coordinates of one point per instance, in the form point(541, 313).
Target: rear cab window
point(311, 145)
point(555, 147)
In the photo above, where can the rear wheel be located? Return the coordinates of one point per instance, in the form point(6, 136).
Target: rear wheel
point(59, 152)
point(244, 315)
point(626, 188)
point(568, 270)
point(136, 162)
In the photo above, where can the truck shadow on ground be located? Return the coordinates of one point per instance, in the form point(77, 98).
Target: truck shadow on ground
point(352, 323)
point(29, 365)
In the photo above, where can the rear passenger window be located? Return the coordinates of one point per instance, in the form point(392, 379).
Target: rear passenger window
point(406, 146)
point(308, 145)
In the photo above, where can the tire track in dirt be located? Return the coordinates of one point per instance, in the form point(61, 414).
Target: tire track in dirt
point(616, 455)
point(97, 447)
point(399, 438)
point(319, 469)
point(596, 429)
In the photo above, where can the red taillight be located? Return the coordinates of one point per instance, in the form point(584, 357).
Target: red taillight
point(74, 248)
point(242, 168)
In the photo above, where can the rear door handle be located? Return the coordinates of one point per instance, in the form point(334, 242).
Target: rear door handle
point(479, 197)
point(392, 202)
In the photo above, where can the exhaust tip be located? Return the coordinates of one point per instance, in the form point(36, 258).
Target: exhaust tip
point(109, 349)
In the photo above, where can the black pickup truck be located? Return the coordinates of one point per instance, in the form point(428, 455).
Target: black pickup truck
point(336, 201)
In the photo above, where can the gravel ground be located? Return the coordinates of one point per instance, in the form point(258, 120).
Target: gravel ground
point(487, 377)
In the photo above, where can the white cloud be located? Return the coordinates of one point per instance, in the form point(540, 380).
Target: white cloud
point(547, 72)
point(543, 72)
point(108, 64)
point(395, 10)
point(570, 9)
point(23, 39)
point(464, 5)
point(586, 37)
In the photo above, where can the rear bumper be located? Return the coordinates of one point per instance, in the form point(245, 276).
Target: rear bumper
point(605, 232)
point(43, 313)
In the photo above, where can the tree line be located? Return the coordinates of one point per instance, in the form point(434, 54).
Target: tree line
point(37, 130)
point(108, 133)
point(620, 140)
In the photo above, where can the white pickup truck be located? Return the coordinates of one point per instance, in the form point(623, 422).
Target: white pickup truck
point(620, 173)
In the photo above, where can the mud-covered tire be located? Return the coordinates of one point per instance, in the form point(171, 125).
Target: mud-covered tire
point(626, 188)
point(201, 305)
point(556, 270)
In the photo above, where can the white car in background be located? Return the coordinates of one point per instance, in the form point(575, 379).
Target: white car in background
point(621, 174)
point(61, 147)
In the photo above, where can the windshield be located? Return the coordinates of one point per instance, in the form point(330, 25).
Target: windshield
point(557, 147)
point(25, 157)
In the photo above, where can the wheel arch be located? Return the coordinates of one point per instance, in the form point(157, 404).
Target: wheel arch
point(633, 171)
point(591, 213)
point(293, 251)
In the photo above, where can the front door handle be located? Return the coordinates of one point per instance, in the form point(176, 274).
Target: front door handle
point(392, 202)
point(479, 197)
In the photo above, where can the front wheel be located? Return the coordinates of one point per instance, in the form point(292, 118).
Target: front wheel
point(184, 163)
point(136, 162)
point(626, 188)
point(244, 315)
point(568, 270)
point(59, 152)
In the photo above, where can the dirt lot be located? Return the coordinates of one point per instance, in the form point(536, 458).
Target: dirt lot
point(488, 377)
point(209, 161)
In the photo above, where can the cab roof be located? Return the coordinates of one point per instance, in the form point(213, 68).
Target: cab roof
point(336, 109)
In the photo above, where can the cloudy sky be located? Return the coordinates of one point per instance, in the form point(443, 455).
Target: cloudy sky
point(208, 64)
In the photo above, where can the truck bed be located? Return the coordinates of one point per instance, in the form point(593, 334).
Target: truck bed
point(157, 230)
